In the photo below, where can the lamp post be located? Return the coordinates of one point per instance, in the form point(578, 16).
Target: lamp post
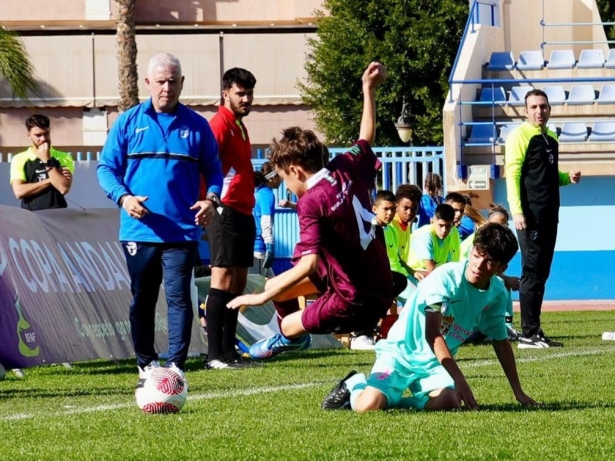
point(404, 130)
point(404, 123)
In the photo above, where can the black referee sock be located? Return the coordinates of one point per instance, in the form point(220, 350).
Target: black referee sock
point(230, 331)
point(216, 312)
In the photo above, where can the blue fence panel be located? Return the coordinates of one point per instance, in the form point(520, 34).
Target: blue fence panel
point(405, 165)
point(400, 165)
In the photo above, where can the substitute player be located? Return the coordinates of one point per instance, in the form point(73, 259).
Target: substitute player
point(341, 253)
point(437, 243)
point(418, 354)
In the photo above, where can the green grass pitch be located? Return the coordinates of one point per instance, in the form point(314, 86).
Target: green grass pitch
point(273, 412)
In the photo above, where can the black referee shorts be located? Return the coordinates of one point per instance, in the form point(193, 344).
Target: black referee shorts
point(231, 237)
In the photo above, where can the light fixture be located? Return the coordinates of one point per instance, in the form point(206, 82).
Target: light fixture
point(404, 123)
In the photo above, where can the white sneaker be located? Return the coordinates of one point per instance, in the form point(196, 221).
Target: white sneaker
point(174, 368)
point(147, 369)
point(215, 364)
point(362, 343)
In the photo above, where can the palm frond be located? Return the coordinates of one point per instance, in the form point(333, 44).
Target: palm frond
point(15, 67)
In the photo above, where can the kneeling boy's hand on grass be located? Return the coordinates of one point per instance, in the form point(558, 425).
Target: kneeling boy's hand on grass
point(525, 399)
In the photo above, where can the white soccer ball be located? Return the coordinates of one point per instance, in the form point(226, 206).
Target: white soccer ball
point(164, 391)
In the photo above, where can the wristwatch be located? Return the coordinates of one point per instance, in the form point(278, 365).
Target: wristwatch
point(213, 198)
point(52, 163)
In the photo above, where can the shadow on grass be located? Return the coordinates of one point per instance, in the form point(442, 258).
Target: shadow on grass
point(307, 355)
point(547, 406)
point(38, 393)
point(516, 408)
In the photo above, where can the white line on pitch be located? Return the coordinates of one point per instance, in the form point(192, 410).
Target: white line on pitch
point(272, 389)
point(538, 358)
point(206, 396)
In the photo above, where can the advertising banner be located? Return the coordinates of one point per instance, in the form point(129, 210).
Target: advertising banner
point(64, 289)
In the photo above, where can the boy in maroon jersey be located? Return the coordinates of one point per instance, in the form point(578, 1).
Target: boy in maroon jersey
point(341, 253)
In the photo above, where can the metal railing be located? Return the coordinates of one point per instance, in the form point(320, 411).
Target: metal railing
point(405, 165)
point(493, 104)
point(470, 28)
point(544, 25)
point(400, 165)
point(470, 23)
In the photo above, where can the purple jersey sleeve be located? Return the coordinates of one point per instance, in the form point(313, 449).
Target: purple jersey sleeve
point(310, 214)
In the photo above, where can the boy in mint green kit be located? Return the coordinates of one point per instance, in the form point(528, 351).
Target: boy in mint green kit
point(418, 353)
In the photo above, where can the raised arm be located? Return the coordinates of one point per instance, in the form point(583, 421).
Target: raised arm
point(373, 76)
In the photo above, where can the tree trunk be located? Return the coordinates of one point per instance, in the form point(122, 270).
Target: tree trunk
point(126, 51)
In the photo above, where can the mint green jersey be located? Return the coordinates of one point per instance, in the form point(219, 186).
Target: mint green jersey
point(463, 307)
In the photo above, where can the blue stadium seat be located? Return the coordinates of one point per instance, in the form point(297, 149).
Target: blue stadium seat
point(556, 94)
point(489, 94)
point(517, 95)
point(603, 132)
point(506, 129)
point(483, 134)
point(606, 95)
point(581, 94)
point(501, 60)
point(591, 59)
point(561, 59)
point(531, 60)
point(610, 59)
point(573, 132)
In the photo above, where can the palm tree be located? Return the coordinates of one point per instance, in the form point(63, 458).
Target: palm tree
point(126, 51)
point(15, 66)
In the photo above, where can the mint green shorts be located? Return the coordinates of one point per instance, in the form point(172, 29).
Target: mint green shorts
point(393, 378)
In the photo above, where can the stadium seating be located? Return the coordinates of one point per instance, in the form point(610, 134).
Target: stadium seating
point(573, 132)
point(561, 59)
point(483, 134)
point(496, 94)
point(501, 60)
point(531, 60)
point(581, 94)
point(591, 59)
point(506, 129)
point(606, 95)
point(603, 132)
point(556, 94)
point(577, 94)
point(517, 95)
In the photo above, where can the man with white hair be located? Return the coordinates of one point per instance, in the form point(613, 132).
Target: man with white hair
point(150, 166)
